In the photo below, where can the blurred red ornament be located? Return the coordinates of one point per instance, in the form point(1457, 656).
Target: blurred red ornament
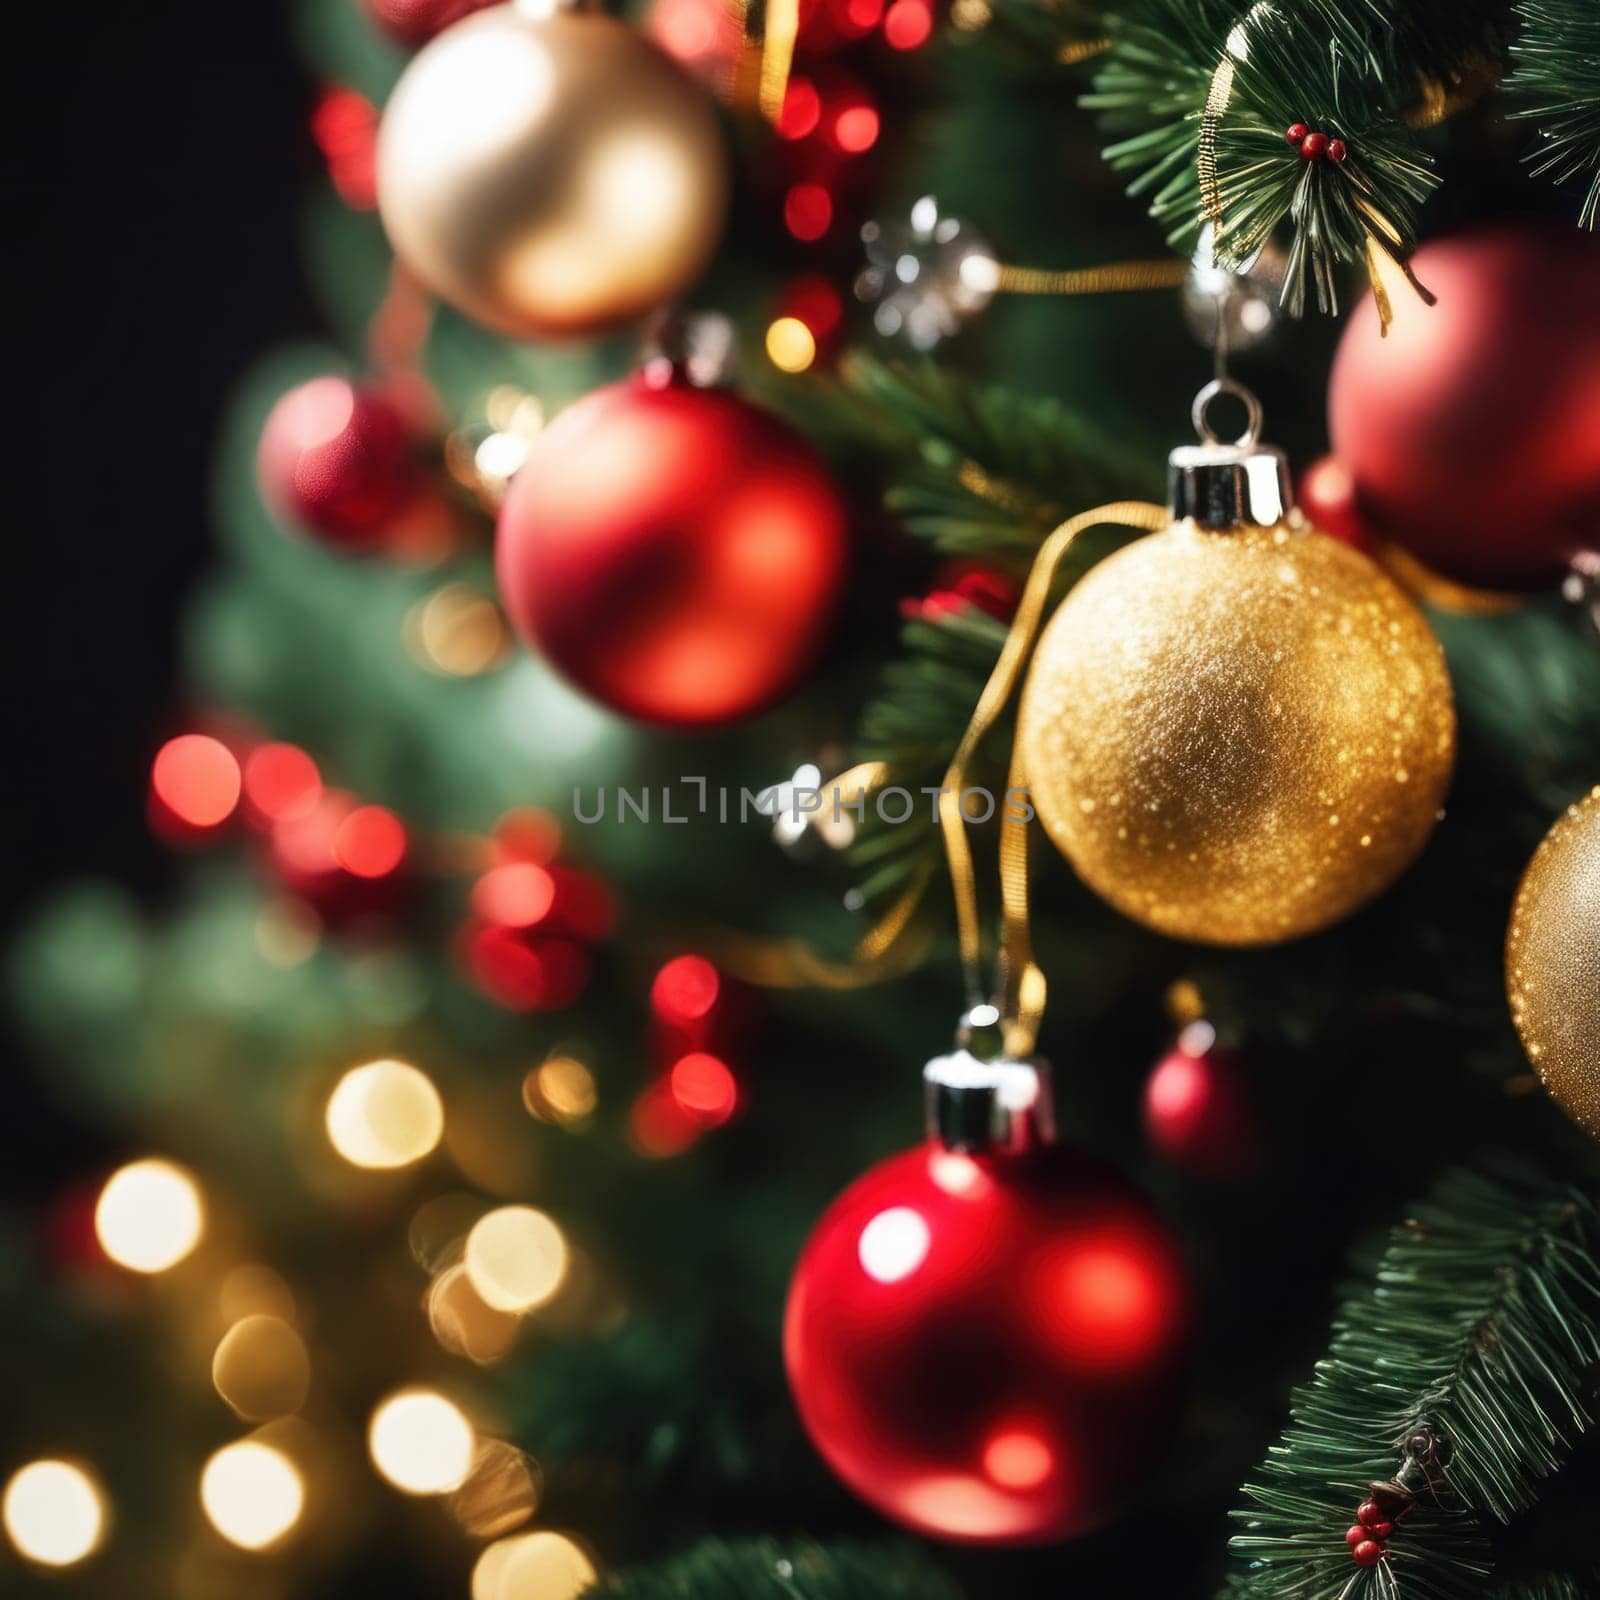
point(414, 22)
point(675, 552)
point(1473, 429)
point(335, 460)
point(1327, 495)
point(963, 584)
point(1199, 1112)
point(347, 860)
point(194, 788)
point(986, 1348)
point(344, 124)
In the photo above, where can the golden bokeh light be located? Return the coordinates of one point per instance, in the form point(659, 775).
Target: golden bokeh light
point(791, 346)
point(458, 631)
point(54, 1513)
point(252, 1289)
point(261, 1368)
point(561, 1090)
point(252, 1494)
point(500, 1494)
point(421, 1442)
point(385, 1114)
point(149, 1216)
point(462, 1322)
point(532, 1566)
point(516, 1258)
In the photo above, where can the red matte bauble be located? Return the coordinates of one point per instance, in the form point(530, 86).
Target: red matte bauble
point(1327, 495)
point(987, 1349)
point(1473, 428)
point(675, 552)
point(1200, 1115)
point(414, 22)
point(335, 460)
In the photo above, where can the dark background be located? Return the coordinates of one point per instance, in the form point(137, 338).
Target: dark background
point(155, 162)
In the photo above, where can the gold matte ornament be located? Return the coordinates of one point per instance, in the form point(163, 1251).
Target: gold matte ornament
point(1553, 962)
point(550, 172)
point(1239, 736)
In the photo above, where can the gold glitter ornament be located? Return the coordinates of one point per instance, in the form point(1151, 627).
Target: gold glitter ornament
point(550, 172)
point(1237, 730)
point(1553, 962)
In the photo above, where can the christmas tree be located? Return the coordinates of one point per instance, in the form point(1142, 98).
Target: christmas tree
point(721, 545)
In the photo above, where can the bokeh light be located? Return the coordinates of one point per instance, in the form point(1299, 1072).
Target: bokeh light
point(196, 778)
point(261, 1368)
point(252, 1494)
point(516, 1258)
point(421, 1442)
point(281, 782)
point(370, 842)
point(500, 1494)
point(532, 1566)
point(908, 24)
point(685, 990)
point(54, 1513)
point(464, 1324)
point(560, 1090)
point(384, 1114)
point(704, 1087)
point(516, 895)
point(807, 211)
point(791, 346)
point(149, 1216)
point(802, 109)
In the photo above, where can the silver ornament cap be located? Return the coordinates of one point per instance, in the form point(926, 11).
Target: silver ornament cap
point(998, 1105)
point(1235, 483)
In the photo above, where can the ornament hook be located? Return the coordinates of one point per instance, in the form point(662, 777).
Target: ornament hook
point(1252, 411)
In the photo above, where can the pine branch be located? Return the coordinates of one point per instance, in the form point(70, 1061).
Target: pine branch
point(1557, 80)
point(984, 471)
point(767, 1569)
point(1482, 1323)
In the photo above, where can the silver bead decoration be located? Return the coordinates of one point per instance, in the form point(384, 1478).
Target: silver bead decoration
point(926, 276)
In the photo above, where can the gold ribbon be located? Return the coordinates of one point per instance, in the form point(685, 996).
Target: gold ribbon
point(1022, 983)
point(762, 74)
point(1112, 278)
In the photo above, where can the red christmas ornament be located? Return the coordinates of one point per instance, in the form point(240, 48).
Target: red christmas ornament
point(1327, 495)
point(984, 1345)
point(414, 22)
point(1337, 151)
point(1296, 132)
point(676, 552)
point(1313, 146)
point(1473, 429)
point(1198, 1110)
point(335, 460)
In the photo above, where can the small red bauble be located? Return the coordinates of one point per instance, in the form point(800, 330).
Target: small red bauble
point(675, 552)
point(335, 460)
point(985, 1348)
point(1199, 1114)
point(1313, 146)
point(1327, 495)
point(1369, 1512)
point(1295, 133)
point(414, 22)
point(1368, 1553)
point(1356, 1535)
point(1473, 429)
point(1336, 150)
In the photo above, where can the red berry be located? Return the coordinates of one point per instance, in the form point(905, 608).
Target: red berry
point(1313, 146)
point(1368, 1553)
point(1381, 1530)
point(1295, 132)
point(1369, 1512)
point(1336, 150)
point(1356, 1535)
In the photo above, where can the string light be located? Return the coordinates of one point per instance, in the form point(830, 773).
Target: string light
point(532, 1566)
point(516, 1258)
point(54, 1513)
point(252, 1494)
point(421, 1442)
point(385, 1114)
point(791, 346)
point(149, 1216)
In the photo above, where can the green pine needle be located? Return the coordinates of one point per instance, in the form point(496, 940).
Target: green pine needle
point(1556, 83)
point(1482, 1321)
point(767, 1569)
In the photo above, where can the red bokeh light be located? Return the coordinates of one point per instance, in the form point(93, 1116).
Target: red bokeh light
point(685, 991)
point(527, 834)
point(344, 124)
point(659, 1125)
point(704, 1087)
point(855, 128)
point(908, 24)
point(802, 109)
point(1018, 1458)
point(815, 301)
point(808, 211)
point(281, 782)
point(517, 895)
point(524, 974)
point(370, 842)
point(196, 780)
